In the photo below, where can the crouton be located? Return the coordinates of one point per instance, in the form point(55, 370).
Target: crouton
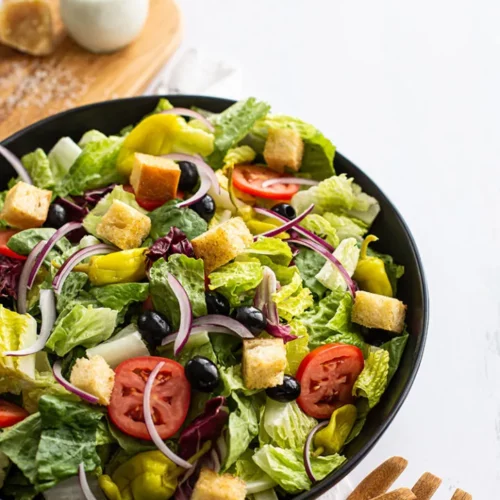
point(154, 177)
point(284, 148)
point(124, 226)
point(264, 363)
point(377, 311)
point(26, 206)
point(222, 243)
point(212, 486)
point(95, 377)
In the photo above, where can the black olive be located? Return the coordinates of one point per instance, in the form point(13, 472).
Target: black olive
point(56, 217)
point(205, 208)
point(189, 176)
point(202, 374)
point(217, 303)
point(153, 326)
point(285, 210)
point(289, 390)
point(251, 317)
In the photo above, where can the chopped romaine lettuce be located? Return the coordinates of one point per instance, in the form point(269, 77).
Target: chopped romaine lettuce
point(24, 241)
point(62, 157)
point(310, 264)
point(296, 350)
point(292, 299)
point(395, 347)
point(38, 166)
point(346, 227)
point(320, 226)
point(239, 155)
point(372, 381)
point(257, 480)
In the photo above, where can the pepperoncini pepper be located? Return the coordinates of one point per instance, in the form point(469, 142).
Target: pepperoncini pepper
point(331, 438)
point(370, 273)
point(118, 267)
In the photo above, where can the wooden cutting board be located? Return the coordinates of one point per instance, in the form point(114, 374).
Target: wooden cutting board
point(32, 88)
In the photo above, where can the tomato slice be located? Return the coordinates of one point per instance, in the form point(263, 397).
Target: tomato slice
point(11, 414)
point(249, 179)
point(4, 249)
point(326, 377)
point(170, 397)
point(148, 205)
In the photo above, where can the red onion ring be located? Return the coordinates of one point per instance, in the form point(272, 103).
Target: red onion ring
point(307, 450)
point(49, 315)
point(288, 225)
point(62, 231)
point(198, 330)
point(289, 180)
point(327, 255)
point(299, 229)
point(186, 313)
point(56, 370)
point(16, 164)
point(151, 426)
point(84, 485)
point(191, 114)
point(75, 259)
point(22, 289)
point(225, 321)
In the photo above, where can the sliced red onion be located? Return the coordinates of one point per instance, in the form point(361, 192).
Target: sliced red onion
point(22, 289)
point(56, 370)
point(327, 255)
point(151, 426)
point(288, 225)
point(191, 114)
point(186, 313)
point(62, 231)
point(84, 485)
point(226, 321)
point(202, 191)
point(216, 465)
point(221, 447)
point(75, 259)
point(289, 180)
point(16, 165)
point(299, 229)
point(198, 330)
point(202, 166)
point(307, 449)
point(49, 315)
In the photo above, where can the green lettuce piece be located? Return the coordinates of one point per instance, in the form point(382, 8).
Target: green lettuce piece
point(38, 166)
point(95, 167)
point(341, 321)
point(365, 208)
point(296, 350)
point(17, 331)
point(293, 299)
point(128, 443)
point(362, 408)
point(191, 273)
point(243, 426)
point(235, 280)
point(319, 152)
point(232, 380)
point(94, 217)
point(394, 271)
point(238, 155)
point(62, 157)
point(322, 228)
point(85, 326)
point(347, 253)
point(346, 227)
point(168, 215)
point(395, 347)
point(17, 486)
point(232, 125)
point(274, 249)
point(71, 289)
point(286, 467)
point(24, 241)
point(284, 425)
point(372, 381)
point(227, 348)
point(309, 264)
point(252, 474)
point(91, 136)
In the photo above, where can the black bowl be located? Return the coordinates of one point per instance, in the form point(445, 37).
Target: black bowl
point(395, 238)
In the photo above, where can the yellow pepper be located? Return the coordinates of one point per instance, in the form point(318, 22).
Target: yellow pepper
point(162, 134)
point(370, 272)
point(331, 438)
point(118, 267)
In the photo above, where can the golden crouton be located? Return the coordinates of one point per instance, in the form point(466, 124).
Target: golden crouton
point(124, 226)
point(26, 206)
point(154, 177)
point(264, 363)
point(377, 311)
point(212, 486)
point(284, 148)
point(222, 243)
point(95, 377)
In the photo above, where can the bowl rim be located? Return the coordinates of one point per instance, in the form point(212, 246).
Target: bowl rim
point(331, 480)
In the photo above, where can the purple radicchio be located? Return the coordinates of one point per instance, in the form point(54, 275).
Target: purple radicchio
point(10, 271)
point(174, 242)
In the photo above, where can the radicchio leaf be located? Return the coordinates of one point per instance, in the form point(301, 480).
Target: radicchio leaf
point(174, 242)
point(10, 271)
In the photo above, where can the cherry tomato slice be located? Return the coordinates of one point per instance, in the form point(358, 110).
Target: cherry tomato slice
point(170, 397)
point(148, 205)
point(4, 249)
point(11, 414)
point(326, 377)
point(249, 179)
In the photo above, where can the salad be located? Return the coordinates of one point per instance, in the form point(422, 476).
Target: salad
point(194, 308)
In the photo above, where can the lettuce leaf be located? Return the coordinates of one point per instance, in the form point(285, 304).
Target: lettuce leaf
point(309, 264)
point(322, 228)
point(346, 227)
point(254, 476)
point(275, 249)
point(71, 289)
point(238, 155)
point(365, 208)
point(232, 380)
point(38, 166)
point(395, 347)
point(293, 299)
point(232, 125)
point(296, 350)
point(24, 241)
point(63, 156)
point(372, 381)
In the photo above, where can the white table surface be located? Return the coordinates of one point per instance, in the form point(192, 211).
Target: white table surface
point(410, 92)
